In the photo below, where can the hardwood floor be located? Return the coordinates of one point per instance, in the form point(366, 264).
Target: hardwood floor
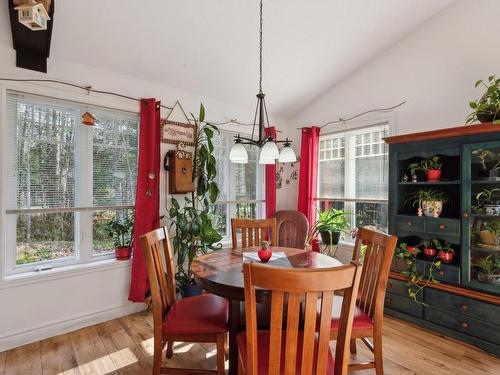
point(125, 346)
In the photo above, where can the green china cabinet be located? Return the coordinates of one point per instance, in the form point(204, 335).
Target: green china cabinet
point(463, 302)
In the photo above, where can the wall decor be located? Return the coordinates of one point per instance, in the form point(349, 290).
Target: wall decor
point(175, 132)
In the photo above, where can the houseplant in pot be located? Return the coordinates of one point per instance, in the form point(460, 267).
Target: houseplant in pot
point(445, 251)
point(330, 225)
point(429, 201)
point(488, 269)
point(194, 222)
point(489, 201)
point(429, 249)
point(404, 256)
point(486, 109)
point(121, 228)
point(489, 233)
point(489, 162)
point(432, 168)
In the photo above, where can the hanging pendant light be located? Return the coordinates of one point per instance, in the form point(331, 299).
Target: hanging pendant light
point(269, 150)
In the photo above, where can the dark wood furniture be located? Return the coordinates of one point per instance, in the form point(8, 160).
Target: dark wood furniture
point(292, 351)
point(253, 231)
point(369, 313)
point(195, 319)
point(291, 227)
point(221, 273)
point(461, 305)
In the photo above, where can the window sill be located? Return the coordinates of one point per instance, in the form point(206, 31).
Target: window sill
point(31, 277)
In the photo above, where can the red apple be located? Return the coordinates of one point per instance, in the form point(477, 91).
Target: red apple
point(264, 255)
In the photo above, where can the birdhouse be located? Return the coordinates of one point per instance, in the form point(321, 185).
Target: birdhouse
point(33, 15)
point(88, 119)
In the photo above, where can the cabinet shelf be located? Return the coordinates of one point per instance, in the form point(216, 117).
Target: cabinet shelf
point(438, 183)
point(485, 216)
point(485, 249)
point(481, 182)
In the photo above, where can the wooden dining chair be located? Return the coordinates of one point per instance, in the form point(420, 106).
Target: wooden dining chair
point(253, 231)
point(292, 228)
point(369, 312)
point(291, 351)
point(195, 319)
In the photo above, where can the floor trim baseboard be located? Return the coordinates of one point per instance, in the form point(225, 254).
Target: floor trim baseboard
point(20, 338)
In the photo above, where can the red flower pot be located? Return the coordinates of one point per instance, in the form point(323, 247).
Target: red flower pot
point(429, 252)
point(434, 175)
point(264, 255)
point(123, 253)
point(445, 257)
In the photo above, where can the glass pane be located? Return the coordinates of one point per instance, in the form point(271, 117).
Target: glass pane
point(103, 240)
point(321, 155)
point(42, 237)
point(328, 155)
point(366, 150)
point(359, 151)
point(366, 138)
point(336, 143)
point(221, 218)
point(372, 214)
point(329, 143)
point(375, 148)
point(358, 139)
point(371, 177)
point(331, 178)
point(246, 210)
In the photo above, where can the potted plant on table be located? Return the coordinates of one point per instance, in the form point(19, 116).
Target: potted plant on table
point(488, 269)
point(120, 229)
point(489, 162)
point(330, 225)
point(194, 222)
point(489, 201)
point(445, 251)
point(486, 109)
point(428, 201)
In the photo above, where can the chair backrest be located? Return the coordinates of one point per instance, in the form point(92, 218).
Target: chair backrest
point(160, 263)
point(253, 231)
point(295, 286)
point(291, 227)
point(376, 264)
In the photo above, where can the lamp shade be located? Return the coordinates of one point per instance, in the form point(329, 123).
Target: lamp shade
point(264, 160)
point(270, 151)
point(238, 154)
point(287, 155)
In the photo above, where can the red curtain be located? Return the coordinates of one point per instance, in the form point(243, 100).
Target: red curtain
point(270, 178)
point(147, 199)
point(308, 175)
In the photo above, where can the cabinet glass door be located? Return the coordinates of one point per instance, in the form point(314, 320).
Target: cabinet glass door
point(481, 216)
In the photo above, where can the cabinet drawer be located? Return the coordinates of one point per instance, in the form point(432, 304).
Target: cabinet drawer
point(462, 305)
point(397, 287)
point(410, 223)
point(404, 305)
point(465, 324)
point(447, 272)
point(437, 225)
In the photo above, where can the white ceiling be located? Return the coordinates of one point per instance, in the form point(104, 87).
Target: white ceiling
point(209, 47)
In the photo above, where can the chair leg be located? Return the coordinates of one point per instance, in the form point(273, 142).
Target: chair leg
point(353, 347)
point(170, 349)
point(158, 348)
point(221, 354)
point(377, 352)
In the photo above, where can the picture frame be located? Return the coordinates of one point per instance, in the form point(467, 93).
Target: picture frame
point(174, 132)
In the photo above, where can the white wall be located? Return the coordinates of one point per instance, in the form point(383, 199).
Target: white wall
point(433, 68)
point(57, 302)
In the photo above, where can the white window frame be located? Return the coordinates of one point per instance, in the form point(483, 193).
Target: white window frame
point(345, 131)
point(83, 256)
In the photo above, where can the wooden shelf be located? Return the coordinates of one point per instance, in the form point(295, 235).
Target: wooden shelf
point(451, 182)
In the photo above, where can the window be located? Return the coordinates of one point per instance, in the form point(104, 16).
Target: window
point(65, 180)
point(353, 174)
point(240, 185)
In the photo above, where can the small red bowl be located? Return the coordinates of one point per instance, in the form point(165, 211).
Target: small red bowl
point(264, 255)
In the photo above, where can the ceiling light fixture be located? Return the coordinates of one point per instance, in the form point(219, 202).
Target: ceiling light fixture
point(269, 152)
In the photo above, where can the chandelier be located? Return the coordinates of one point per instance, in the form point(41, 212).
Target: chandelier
point(269, 150)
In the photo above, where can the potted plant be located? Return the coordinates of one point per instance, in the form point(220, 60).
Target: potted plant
point(445, 251)
point(488, 270)
point(489, 233)
point(404, 256)
point(428, 249)
point(432, 168)
point(120, 229)
point(330, 225)
point(194, 222)
point(486, 109)
point(489, 162)
point(489, 201)
point(414, 168)
point(428, 201)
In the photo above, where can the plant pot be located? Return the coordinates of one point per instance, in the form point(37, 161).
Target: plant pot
point(491, 175)
point(399, 265)
point(434, 175)
point(191, 290)
point(328, 238)
point(430, 252)
point(492, 279)
point(492, 209)
point(484, 117)
point(432, 208)
point(445, 257)
point(488, 238)
point(264, 255)
point(123, 253)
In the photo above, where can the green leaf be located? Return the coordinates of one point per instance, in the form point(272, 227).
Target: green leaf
point(175, 203)
point(202, 113)
point(209, 132)
point(213, 192)
point(473, 105)
point(496, 121)
point(478, 83)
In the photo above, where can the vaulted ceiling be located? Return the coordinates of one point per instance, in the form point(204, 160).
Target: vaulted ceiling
point(210, 47)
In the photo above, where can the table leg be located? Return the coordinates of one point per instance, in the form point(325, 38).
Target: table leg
point(234, 327)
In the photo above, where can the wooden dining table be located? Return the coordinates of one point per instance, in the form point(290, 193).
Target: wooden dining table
point(221, 273)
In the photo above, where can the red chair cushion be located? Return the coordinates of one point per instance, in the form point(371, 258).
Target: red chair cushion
point(361, 319)
point(263, 350)
point(202, 314)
